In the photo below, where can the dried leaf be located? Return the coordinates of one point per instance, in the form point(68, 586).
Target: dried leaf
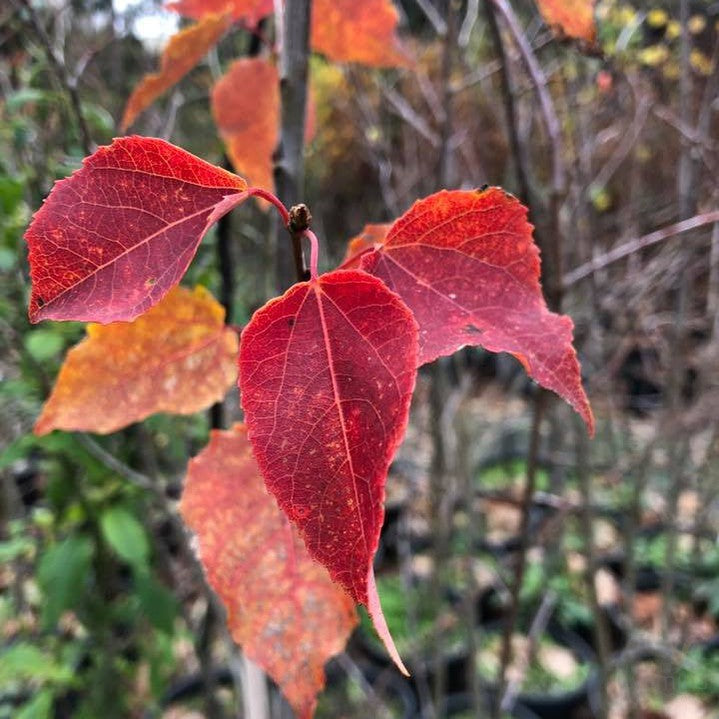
point(113, 238)
point(248, 11)
point(572, 18)
point(370, 236)
point(326, 374)
point(246, 108)
point(282, 607)
point(466, 265)
point(362, 32)
point(182, 53)
point(179, 357)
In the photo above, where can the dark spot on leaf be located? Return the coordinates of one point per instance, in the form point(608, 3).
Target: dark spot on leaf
point(473, 330)
point(150, 281)
point(40, 301)
point(291, 321)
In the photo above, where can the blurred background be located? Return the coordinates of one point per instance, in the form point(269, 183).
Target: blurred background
point(524, 569)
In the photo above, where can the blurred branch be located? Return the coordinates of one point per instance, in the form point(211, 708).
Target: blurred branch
point(470, 19)
point(408, 114)
point(539, 624)
point(113, 463)
point(435, 19)
point(637, 244)
point(539, 80)
point(524, 542)
point(67, 82)
point(292, 25)
point(626, 145)
point(521, 159)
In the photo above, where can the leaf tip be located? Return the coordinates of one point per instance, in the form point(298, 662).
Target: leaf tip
point(380, 623)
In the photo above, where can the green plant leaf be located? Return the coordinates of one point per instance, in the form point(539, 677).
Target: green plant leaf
point(39, 707)
point(26, 662)
point(125, 535)
point(61, 575)
point(156, 602)
point(43, 344)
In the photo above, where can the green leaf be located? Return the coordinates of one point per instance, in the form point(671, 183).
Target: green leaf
point(39, 707)
point(61, 574)
point(14, 548)
point(26, 662)
point(99, 118)
point(125, 535)
point(8, 259)
point(17, 100)
point(10, 193)
point(156, 602)
point(43, 344)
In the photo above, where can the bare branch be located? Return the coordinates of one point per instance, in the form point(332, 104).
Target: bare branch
point(67, 82)
point(639, 243)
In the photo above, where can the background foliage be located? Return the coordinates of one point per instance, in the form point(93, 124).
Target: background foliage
point(103, 610)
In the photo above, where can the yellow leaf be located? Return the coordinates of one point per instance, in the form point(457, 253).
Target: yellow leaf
point(178, 357)
point(182, 53)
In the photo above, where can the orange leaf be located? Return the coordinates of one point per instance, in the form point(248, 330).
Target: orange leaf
point(366, 240)
point(246, 107)
point(182, 53)
point(249, 11)
point(352, 31)
point(178, 357)
point(572, 18)
point(282, 607)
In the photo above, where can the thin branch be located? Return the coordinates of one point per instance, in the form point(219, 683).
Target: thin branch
point(524, 541)
point(539, 80)
point(407, 113)
point(435, 19)
point(519, 154)
point(67, 82)
point(539, 624)
point(639, 243)
point(627, 144)
point(470, 19)
point(116, 465)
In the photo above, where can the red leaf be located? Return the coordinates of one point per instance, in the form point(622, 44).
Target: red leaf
point(282, 606)
point(352, 31)
point(327, 373)
point(113, 238)
point(182, 53)
point(249, 11)
point(466, 265)
point(366, 240)
point(178, 357)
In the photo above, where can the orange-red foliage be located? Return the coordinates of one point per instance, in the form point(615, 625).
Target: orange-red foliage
point(282, 607)
point(179, 357)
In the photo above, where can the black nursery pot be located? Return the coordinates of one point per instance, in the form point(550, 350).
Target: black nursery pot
point(576, 701)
